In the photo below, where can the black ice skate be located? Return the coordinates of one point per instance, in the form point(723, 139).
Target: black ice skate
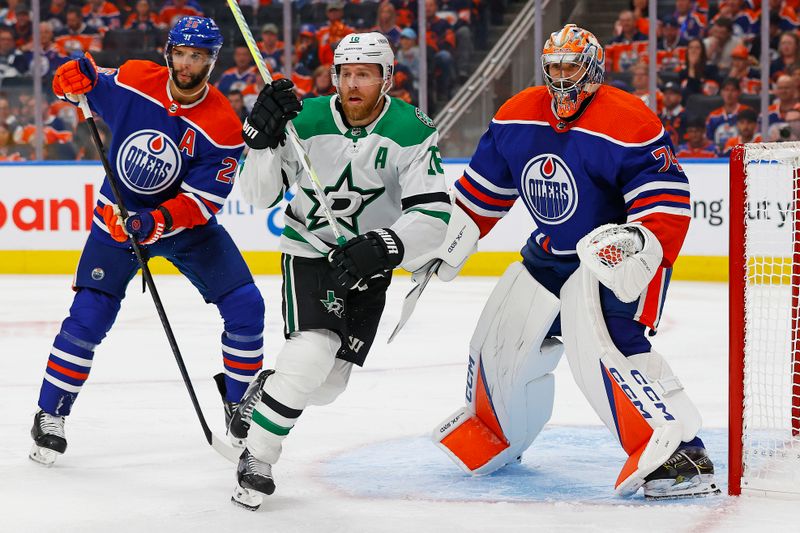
point(688, 473)
point(49, 440)
point(240, 421)
point(254, 479)
point(229, 408)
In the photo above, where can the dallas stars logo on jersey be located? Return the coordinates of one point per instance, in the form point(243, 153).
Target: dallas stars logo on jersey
point(346, 201)
point(333, 304)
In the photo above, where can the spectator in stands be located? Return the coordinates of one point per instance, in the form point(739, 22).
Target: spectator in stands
point(640, 81)
point(441, 42)
point(693, 22)
point(8, 14)
point(671, 47)
point(742, 18)
point(749, 78)
point(625, 49)
point(721, 122)
point(9, 151)
point(641, 14)
point(788, 54)
point(306, 49)
point(176, 10)
point(84, 145)
point(101, 15)
point(23, 27)
point(402, 85)
point(786, 98)
point(698, 76)
point(143, 18)
point(7, 117)
point(56, 14)
point(721, 42)
point(77, 36)
point(788, 19)
point(271, 47)
point(386, 22)
point(408, 52)
point(54, 59)
point(242, 73)
point(323, 85)
point(237, 103)
point(12, 62)
point(673, 116)
point(457, 13)
point(331, 33)
point(775, 33)
point(789, 130)
point(697, 145)
point(57, 136)
point(745, 131)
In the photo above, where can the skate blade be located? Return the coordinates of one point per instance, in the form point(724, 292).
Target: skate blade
point(697, 487)
point(43, 456)
point(247, 499)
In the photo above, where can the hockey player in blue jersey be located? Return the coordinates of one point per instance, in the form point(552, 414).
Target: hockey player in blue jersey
point(596, 171)
point(175, 149)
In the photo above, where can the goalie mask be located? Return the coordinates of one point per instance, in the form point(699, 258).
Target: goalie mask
point(572, 61)
point(364, 48)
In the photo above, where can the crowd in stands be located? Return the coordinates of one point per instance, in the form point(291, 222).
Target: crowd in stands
point(117, 30)
point(709, 76)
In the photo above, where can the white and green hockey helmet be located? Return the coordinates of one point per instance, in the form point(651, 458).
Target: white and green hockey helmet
point(364, 48)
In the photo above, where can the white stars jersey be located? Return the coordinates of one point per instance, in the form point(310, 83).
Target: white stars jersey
point(386, 174)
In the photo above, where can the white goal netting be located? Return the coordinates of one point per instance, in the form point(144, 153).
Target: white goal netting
point(771, 410)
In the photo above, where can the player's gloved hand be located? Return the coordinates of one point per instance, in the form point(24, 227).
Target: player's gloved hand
point(146, 227)
point(623, 257)
point(276, 105)
point(362, 257)
point(78, 76)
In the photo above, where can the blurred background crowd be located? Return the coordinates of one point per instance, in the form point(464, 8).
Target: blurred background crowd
point(707, 59)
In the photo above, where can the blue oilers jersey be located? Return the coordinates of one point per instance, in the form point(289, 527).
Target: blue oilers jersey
point(160, 149)
point(613, 164)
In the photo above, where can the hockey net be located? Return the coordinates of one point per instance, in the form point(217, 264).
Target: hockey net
point(764, 319)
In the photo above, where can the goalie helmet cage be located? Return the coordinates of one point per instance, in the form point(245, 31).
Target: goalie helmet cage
point(764, 320)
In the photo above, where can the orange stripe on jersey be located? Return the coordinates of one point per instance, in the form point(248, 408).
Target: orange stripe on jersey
point(641, 202)
point(670, 230)
point(66, 371)
point(241, 366)
point(482, 197)
point(652, 300)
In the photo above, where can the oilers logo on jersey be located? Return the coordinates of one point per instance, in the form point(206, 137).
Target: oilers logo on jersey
point(148, 161)
point(549, 189)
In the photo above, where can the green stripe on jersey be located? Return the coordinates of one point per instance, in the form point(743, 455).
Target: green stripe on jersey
point(443, 215)
point(289, 292)
point(315, 118)
point(272, 427)
point(291, 233)
point(404, 124)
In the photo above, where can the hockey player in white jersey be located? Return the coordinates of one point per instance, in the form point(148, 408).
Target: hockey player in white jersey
point(378, 162)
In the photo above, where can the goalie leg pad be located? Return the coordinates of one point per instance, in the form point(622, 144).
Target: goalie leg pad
point(509, 382)
point(638, 397)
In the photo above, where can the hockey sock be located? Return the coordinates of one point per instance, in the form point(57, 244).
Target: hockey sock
point(243, 357)
point(67, 370)
point(271, 423)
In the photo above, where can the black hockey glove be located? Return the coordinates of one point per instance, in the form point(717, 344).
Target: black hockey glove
point(276, 105)
point(362, 257)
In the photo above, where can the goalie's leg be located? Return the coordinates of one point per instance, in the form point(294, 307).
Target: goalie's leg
point(637, 396)
point(509, 382)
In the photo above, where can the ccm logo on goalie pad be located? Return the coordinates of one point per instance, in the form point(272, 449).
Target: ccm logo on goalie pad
point(470, 378)
point(646, 388)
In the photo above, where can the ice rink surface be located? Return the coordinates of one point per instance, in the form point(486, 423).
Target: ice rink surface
point(137, 460)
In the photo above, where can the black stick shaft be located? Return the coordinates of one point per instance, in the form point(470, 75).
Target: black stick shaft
point(148, 277)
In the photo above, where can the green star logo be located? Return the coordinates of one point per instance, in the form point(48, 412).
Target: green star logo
point(347, 202)
point(333, 304)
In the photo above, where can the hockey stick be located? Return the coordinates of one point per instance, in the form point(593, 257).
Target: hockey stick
point(222, 447)
point(294, 140)
point(410, 301)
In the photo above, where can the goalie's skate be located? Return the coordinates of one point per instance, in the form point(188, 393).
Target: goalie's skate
point(49, 440)
point(229, 408)
point(688, 473)
point(254, 479)
point(240, 420)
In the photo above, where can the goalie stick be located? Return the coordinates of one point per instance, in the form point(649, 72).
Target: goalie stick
point(220, 445)
point(410, 301)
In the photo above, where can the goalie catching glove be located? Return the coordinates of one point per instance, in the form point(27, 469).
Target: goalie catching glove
point(623, 257)
point(275, 107)
point(366, 255)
